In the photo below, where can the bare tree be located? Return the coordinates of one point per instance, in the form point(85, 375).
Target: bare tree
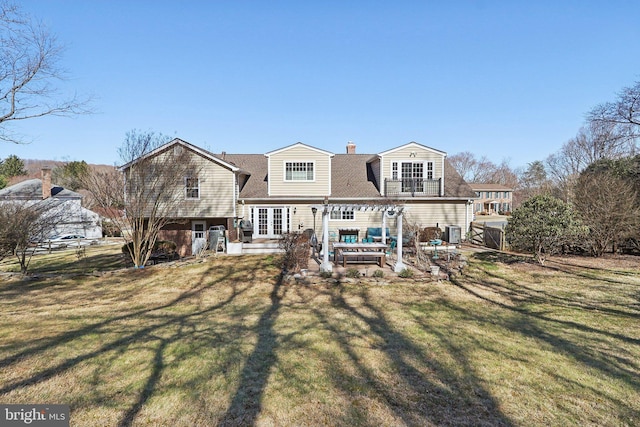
point(465, 164)
point(608, 206)
point(482, 170)
point(25, 223)
point(145, 194)
point(595, 141)
point(504, 174)
point(602, 140)
point(624, 111)
point(29, 57)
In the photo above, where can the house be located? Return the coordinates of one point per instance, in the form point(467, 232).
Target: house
point(275, 191)
point(63, 206)
point(492, 198)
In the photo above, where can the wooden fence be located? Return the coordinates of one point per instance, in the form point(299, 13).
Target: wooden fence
point(491, 237)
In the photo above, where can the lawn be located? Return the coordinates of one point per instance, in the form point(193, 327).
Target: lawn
point(226, 342)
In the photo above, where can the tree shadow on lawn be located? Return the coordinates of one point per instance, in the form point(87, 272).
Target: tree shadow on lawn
point(528, 328)
point(428, 392)
point(540, 325)
point(520, 293)
point(69, 263)
point(160, 324)
point(246, 402)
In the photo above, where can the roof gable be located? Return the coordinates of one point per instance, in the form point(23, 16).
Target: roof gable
point(413, 144)
point(298, 145)
point(177, 141)
point(31, 189)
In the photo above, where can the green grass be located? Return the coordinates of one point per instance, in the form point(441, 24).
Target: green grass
point(225, 342)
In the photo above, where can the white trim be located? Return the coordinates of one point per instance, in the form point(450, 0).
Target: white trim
point(298, 144)
point(194, 245)
point(268, 176)
point(186, 195)
point(442, 177)
point(286, 225)
point(412, 144)
point(306, 162)
point(329, 180)
point(236, 193)
point(383, 190)
point(187, 145)
point(342, 211)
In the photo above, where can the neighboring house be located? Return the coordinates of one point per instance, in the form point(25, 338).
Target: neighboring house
point(275, 191)
point(65, 205)
point(492, 198)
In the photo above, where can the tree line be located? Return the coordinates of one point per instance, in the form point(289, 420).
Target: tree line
point(584, 198)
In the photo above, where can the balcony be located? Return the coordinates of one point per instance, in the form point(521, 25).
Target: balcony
point(412, 187)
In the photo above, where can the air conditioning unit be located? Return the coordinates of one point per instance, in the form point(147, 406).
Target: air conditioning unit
point(453, 234)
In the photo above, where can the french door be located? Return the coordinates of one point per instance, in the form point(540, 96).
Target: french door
point(412, 177)
point(270, 223)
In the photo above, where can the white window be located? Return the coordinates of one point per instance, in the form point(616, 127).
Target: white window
point(348, 215)
point(394, 171)
point(299, 171)
point(192, 188)
point(429, 170)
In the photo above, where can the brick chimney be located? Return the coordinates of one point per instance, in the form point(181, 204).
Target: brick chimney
point(351, 147)
point(46, 182)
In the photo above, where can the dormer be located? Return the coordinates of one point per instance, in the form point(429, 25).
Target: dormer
point(411, 170)
point(299, 170)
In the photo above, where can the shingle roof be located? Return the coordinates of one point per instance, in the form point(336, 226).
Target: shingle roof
point(454, 185)
point(351, 177)
point(255, 166)
point(31, 189)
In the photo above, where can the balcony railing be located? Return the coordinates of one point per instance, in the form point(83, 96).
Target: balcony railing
point(412, 186)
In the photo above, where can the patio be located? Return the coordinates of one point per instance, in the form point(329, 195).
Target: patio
point(326, 208)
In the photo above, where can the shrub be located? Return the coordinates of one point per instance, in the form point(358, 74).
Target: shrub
point(326, 274)
point(296, 249)
point(110, 230)
point(543, 225)
point(407, 273)
point(378, 273)
point(430, 233)
point(353, 273)
point(162, 246)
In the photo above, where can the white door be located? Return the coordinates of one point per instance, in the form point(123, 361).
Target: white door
point(198, 236)
point(270, 223)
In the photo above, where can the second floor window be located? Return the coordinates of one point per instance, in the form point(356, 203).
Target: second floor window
point(299, 171)
point(192, 188)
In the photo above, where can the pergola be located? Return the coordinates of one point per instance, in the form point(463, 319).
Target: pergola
point(390, 208)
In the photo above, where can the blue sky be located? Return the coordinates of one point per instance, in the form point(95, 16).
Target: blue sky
point(506, 79)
